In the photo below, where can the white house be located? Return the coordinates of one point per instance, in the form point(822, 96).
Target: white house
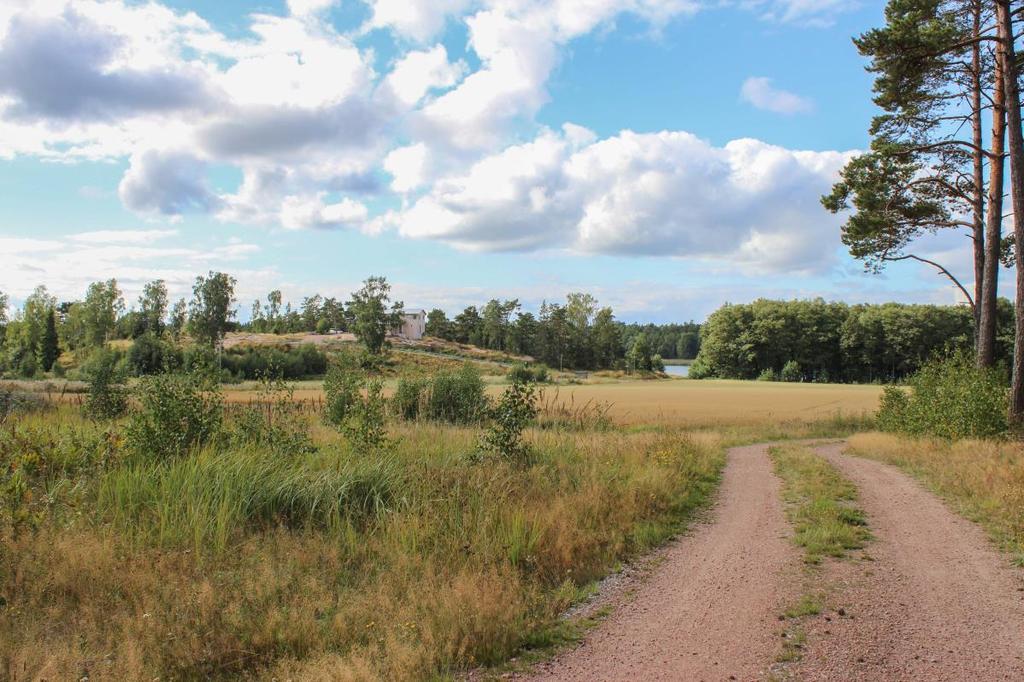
point(414, 324)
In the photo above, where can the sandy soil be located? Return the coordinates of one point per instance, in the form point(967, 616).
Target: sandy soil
point(936, 602)
point(710, 610)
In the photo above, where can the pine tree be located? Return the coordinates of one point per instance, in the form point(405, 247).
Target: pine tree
point(49, 349)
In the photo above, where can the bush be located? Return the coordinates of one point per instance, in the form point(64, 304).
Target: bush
point(657, 363)
point(275, 421)
point(457, 397)
point(177, 412)
point(524, 373)
point(107, 397)
point(150, 354)
point(365, 425)
point(341, 390)
point(948, 398)
point(514, 411)
point(766, 375)
point(285, 362)
point(791, 372)
point(408, 398)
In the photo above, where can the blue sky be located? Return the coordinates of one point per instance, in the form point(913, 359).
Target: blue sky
point(666, 156)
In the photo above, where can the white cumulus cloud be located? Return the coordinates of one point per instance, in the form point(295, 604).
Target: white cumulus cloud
point(759, 92)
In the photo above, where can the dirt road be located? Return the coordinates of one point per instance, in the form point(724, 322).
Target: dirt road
point(937, 601)
point(710, 610)
point(929, 600)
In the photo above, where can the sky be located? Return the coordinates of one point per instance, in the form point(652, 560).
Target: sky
point(665, 155)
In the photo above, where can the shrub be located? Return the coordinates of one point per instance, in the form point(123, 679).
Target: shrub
point(341, 390)
point(657, 363)
point(791, 372)
point(150, 354)
point(524, 373)
point(457, 397)
point(408, 398)
point(323, 325)
point(949, 398)
point(286, 362)
point(177, 412)
point(107, 397)
point(514, 411)
point(365, 425)
point(275, 421)
point(766, 375)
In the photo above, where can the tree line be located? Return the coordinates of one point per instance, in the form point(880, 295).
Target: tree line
point(947, 79)
point(575, 335)
point(836, 342)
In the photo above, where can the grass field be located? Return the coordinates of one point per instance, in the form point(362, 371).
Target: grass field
point(281, 551)
point(706, 403)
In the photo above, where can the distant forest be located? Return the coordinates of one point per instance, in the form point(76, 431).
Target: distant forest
point(835, 342)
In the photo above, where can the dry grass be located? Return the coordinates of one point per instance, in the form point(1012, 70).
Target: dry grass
point(983, 480)
point(108, 568)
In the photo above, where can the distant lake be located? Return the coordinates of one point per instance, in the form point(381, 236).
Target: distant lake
point(677, 370)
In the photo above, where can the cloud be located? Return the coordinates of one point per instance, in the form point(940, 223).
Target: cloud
point(122, 236)
point(68, 67)
point(815, 13)
point(313, 212)
point(759, 92)
point(407, 166)
point(166, 183)
point(416, 73)
point(654, 194)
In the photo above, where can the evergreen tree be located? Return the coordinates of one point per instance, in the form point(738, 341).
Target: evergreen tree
point(49, 350)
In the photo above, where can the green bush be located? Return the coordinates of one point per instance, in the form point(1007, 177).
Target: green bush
point(766, 375)
point(275, 421)
point(791, 372)
point(107, 397)
point(365, 426)
point(657, 363)
point(286, 362)
point(524, 373)
point(457, 397)
point(407, 403)
point(513, 412)
point(341, 389)
point(149, 354)
point(177, 412)
point(949, 398)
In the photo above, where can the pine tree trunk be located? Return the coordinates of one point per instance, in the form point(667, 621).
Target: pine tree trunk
point(983, 341)
point(987, 302)
point(1015, 139)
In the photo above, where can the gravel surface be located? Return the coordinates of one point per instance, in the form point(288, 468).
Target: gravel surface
point(935, 602)
point(710, 610)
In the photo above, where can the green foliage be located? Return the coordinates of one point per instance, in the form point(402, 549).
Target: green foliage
point(523, 373)
point(287, 362)
point(323, 326)
point(409, 398)
point(950, 398)
point(211, 308)
point(657, 364)
point(513, 412)
point(766, 374)
point(99, 311)
point(149, 354)
point(457, 397)
point(639, 357)
point(341, 390)
point(274, 420)
point(791, 372)
point(107, 397)
point(49, 349)
point(177, 412)
point(372, 321)
point(153, 308)
point(832, 341)
point(365, 425)
point(437, 325)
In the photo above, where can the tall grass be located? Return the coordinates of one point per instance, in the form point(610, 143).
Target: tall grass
point(248, 562)
point(213, 496)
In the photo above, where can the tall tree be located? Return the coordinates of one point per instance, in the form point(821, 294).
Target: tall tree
point(179, 318)
point(923, 173)
point(1007, 57)
point(212, 307)
point(102, 306)
point(153, 307)
point(437, 325)
point(372, 319)
point(50, 349)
